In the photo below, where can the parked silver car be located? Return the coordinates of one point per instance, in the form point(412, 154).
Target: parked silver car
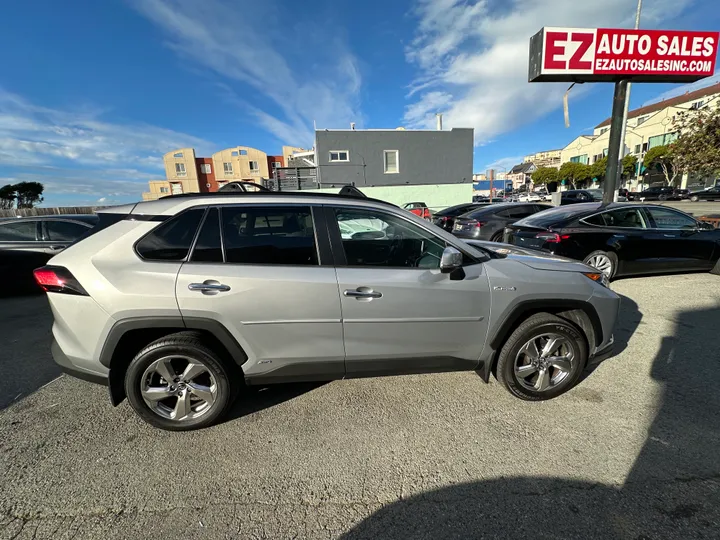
point(181, 302)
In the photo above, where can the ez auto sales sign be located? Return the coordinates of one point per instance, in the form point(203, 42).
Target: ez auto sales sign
point(603, 54)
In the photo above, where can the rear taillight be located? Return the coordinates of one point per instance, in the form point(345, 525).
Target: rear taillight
point(552, 237)
point(58, 279)
point(479, 224)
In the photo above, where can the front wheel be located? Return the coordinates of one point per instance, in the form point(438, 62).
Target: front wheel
point(694, 198)
point(177, 383)
point(605, 262)
point(543, 358)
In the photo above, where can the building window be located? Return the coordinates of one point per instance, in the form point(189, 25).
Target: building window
point(164, 190)
point(392, 164)
point(580, 159)
point(234, 153)
point(339, 155)
point(603, 130)
point(276, 164)
point(180, 169)
point(205, 168)
point(605, 152)
point(178, 155)
point(641, 120)
point(645, 147)
point(253, 166)
point(637, 148)
point(660, 140)
point(243, 152)
point(227, 167)
point(697, 105)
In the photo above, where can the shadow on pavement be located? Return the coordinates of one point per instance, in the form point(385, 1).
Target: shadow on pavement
point(253, 399)
point(672, 491)
point(25, 336)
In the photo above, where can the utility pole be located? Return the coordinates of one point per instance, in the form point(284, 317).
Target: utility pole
point(616, 129)
point(627, 101)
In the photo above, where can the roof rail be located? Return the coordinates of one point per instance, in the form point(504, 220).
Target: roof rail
point(352, 193)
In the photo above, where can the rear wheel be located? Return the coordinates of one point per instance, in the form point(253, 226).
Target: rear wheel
point(543, 358)
point(603, 261)
point(177, 383)
point(497, 237)
point(694, 198)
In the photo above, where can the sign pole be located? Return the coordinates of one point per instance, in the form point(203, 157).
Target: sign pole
point(616, 129)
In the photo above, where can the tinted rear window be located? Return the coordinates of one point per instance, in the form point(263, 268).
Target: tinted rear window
point(171, 240)
point(456, 210)
point(547, 218)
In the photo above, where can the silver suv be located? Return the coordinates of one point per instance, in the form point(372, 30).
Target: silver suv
point(179, 303)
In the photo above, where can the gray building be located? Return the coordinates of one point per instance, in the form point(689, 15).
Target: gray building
point(394, 157)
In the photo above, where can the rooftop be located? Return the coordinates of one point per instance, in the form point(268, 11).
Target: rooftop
point(677, 100)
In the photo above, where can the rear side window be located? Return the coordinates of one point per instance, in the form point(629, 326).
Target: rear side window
point(18, 231)
point(628, 218)
point(269, 235)
point(518, 212)
point(172, 239)
point(64, 231)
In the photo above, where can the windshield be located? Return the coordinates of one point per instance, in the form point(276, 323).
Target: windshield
point(597, 194)
point(548, 218)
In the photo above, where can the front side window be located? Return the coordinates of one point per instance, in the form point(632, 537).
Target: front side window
point(180, 169)
point(19, 231)
point(627, 218)
point(377, 239)
point(518, 212)
point(339, 155)
point(669, 219)
point(392, 165)
point(64, 231)
point(227, 167)
point(171, 240)
point(269, 235)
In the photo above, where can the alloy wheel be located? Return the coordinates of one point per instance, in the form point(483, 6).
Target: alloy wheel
point(544, 362)
point(178, 388)
point(602, 263)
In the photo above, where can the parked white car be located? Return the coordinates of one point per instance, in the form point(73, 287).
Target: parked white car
point(529, 197)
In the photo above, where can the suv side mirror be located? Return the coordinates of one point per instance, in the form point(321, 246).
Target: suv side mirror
point(451, 260)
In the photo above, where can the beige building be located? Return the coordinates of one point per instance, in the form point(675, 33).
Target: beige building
point(181, 174)
point(647, 127)
point(547, 158)
point(240, 163)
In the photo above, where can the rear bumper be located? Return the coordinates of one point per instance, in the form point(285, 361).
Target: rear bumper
point(68, 367)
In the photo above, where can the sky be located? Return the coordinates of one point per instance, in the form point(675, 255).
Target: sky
point(92, 94)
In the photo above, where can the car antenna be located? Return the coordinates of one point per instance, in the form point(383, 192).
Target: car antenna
point(352, 191)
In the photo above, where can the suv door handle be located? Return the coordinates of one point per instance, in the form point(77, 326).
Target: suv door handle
point(362, 292)
point(57, 247)
point(209, 286)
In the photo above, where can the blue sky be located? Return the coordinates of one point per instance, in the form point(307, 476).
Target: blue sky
point(93, 93)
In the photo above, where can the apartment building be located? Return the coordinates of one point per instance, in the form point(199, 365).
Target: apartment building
point(546, 158)
point(649, 126)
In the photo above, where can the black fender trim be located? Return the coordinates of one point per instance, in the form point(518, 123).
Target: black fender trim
point(214, 327)
point(524, 309)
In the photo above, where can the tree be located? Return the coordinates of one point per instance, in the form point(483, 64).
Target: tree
point(697, 149)
point(28, 194)
point(663, 158)
point(574, 172)
point(597, 169)
point(629, 166)
point(545, 175)
point(7, 196)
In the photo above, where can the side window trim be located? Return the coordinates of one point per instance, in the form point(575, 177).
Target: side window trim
point(193, 244)
point(641, 211)
point(37, 233)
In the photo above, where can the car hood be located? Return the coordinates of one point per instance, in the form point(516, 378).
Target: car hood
point(532, 258)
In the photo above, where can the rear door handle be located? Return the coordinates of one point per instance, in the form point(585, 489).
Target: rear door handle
point(362, 292)
point(209, 286)
point(57, 247)
point(670, 235)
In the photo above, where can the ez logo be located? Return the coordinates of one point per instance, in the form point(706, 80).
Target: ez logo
point(569, 50)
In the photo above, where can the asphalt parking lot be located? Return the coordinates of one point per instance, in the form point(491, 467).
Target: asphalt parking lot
point(632, 452)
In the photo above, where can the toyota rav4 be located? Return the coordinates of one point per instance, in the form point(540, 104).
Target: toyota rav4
point(178, 304)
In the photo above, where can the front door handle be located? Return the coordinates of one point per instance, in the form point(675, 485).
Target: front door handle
point(209, 285)
point(670, 235)
point(361, 293)
point(57, 247)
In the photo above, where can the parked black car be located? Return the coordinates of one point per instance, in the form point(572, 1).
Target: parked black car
point(446, 218)
point(622, 239)
point(488, 222)
point(574, 196)
point(28, 243)
point(655, 193)
point(710, 194)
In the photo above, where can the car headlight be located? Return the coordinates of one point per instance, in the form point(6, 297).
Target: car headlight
point(599, 277)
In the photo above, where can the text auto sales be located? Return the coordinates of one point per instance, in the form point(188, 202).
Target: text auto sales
point(625, 64)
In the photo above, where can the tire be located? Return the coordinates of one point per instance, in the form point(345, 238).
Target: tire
point(694, 198)
point(542, 371)
point(497, 237)
point(595, 259)
point(209, 379)
point(662, 197)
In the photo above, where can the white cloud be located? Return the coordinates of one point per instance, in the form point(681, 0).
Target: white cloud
point(472, 57)
point(35, 135)
point(505, 163)
point(315, 78)
point(685, 88)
